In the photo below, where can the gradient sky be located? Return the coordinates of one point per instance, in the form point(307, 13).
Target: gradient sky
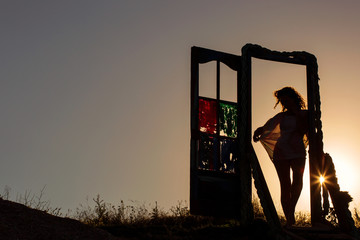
point(95, 95)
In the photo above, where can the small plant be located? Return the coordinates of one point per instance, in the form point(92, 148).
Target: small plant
point(180, 210)
point(31, 200)
point(6, 194)
point(303, 219)
point(257, 208)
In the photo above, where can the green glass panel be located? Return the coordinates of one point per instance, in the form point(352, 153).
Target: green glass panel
point(228, 120)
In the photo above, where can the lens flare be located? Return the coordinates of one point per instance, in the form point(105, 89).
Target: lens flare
point(322, 179)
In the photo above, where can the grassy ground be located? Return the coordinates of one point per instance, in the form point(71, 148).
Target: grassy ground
point(145, 221)
point(150, 222)
point(140, 221)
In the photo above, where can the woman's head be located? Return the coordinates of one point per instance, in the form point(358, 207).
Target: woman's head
point(287, 94)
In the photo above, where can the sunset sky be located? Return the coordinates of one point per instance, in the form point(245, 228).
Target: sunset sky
point(95, 95)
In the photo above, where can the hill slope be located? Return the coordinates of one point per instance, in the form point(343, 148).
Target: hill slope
point(20, 222)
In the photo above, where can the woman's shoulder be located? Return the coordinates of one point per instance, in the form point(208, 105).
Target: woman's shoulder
point(280, 115)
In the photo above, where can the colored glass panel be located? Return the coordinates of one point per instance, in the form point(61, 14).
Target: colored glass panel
point(228, 120)
point(228, 155)
point(208, 153)
point(207, 116)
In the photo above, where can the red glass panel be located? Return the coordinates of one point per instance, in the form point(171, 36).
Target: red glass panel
point(207, 116)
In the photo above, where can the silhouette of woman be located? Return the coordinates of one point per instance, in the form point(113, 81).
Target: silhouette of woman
point(284, 138)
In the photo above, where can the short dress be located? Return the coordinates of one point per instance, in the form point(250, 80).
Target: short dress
point(282, 139)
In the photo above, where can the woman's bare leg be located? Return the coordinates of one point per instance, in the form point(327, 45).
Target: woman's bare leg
point(297, 166)
point(283, 171)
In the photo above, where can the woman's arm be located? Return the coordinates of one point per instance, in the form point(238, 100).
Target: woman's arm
point(268, 126)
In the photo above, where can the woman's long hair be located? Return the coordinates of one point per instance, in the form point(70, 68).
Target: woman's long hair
point(292, 93)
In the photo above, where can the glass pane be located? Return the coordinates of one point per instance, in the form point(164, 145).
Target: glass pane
point(207, 79)
point(228, 155)
point(228, 120)
point(228, 83)
point(208, 153)
point(207, 116)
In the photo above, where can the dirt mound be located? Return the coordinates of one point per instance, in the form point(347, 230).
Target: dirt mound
point(20, 222)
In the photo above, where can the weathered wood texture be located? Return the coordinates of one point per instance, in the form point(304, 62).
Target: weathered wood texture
point(315, 126)
point(264, 193)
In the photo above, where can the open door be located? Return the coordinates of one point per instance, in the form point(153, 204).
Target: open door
point(217, 180)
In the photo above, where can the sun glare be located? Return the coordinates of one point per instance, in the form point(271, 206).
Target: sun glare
point(322, 180)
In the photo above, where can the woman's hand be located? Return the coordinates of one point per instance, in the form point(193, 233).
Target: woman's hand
point(257, 134)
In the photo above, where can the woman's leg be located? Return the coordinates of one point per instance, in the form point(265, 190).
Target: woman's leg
point(283, 171)
point(297, 166)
